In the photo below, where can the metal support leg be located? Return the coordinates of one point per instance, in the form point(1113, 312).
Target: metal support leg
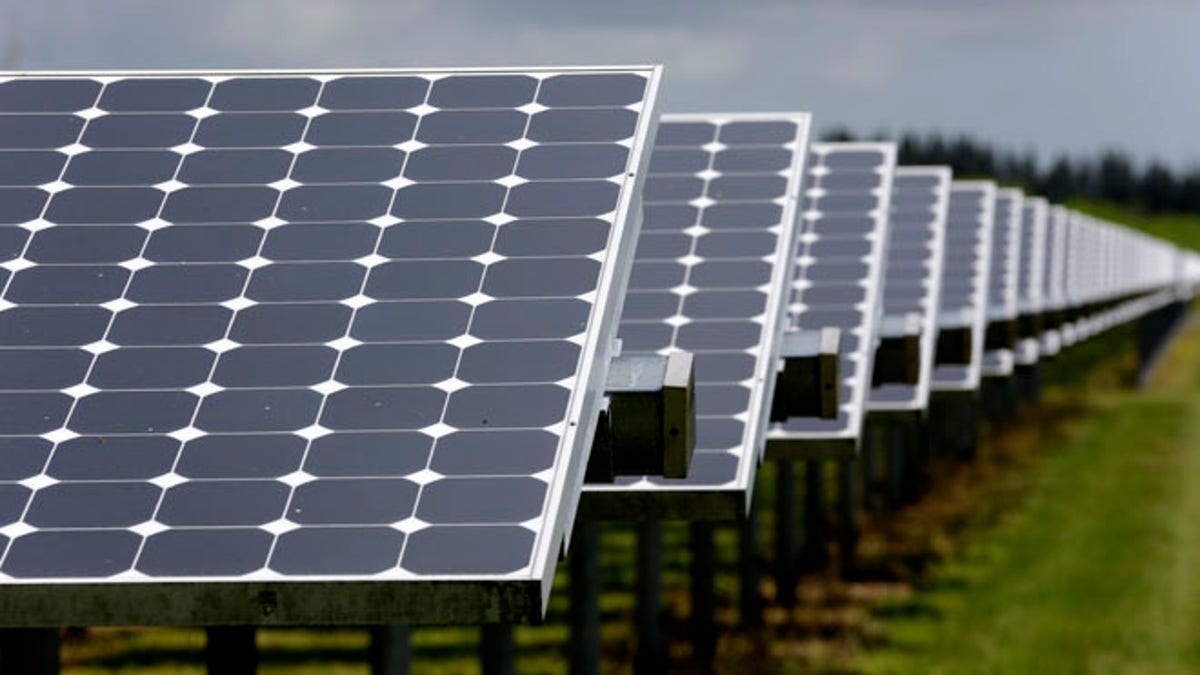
point(750, 601)
point(497, 654)
point(871, 450)
point(390, 650)
point(584, 612)
point(847, 514)
point(29, 651)
point(1011, 398)
point(897, 455)
point(651, 657)
point(990, 403)
point(936, 432)
point(704, 602)
point(910, 439)
point(923, 453)
point(231, 650)
point(968, 428)
point(816, 528)
point(785, 533)
point(954, 425)
point(1029, 383)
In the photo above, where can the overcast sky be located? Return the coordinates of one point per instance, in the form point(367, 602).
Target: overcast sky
point(1050, 75)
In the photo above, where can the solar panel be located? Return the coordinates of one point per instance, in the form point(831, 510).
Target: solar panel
point(837, 284)
point(1030, 277)
point(964, 284)
point(329, 327)
point(912, 283)
point(1053, 279)
point(1080, 283)
point(711, 277)
point(1002, 284)
point(1073, 299)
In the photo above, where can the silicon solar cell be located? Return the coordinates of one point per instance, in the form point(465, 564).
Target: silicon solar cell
point(1003, 276)
point(837, 283)
point(965, 278)
point(913, 279)
point(711, 277)
point(1030, 304)
point(336, 328)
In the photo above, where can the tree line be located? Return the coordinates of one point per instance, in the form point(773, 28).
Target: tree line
point(1111, 175)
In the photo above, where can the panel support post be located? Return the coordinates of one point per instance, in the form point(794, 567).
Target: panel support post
point(847, 515)
point(704, 602)
point(899, 462)
point(1029, 383)
point(651, 657)
point(954, 424)
point(873, 447)
point(583, 615)
point(29, 651)
point(911, 439)
point(922, 453)
point(390, 649)
point(750, 601)
point(816, 529)
point(231, 650)
point(785, 533)
point(497, 653)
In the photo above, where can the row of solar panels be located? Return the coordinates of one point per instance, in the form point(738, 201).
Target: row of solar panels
point(332, 347)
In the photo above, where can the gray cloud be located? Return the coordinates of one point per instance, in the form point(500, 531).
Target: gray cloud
point(1070, 75)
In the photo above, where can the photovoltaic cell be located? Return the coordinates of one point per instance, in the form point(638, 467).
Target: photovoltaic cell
point(1004, 271)
point(331, 327)
point(913, 272)
point(837, 283)
point(711, 277)
point(1030, 302)
point(965, 278)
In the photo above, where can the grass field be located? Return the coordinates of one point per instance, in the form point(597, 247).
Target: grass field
point(1098, 571)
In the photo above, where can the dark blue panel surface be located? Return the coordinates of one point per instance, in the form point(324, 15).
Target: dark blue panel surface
point(314, 324)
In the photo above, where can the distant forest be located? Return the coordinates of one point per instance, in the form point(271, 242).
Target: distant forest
point(1111, 175)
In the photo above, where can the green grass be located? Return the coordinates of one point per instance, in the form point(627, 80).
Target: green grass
point(1098, 571)
point(1179, 228)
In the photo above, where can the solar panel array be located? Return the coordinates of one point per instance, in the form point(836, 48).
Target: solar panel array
point(837, 282)
point(1003, 276)
point(710, 277)
point(1030, 278)
point(912, 282)
point(965, 278)
point(269, 339)
point(306, 326)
